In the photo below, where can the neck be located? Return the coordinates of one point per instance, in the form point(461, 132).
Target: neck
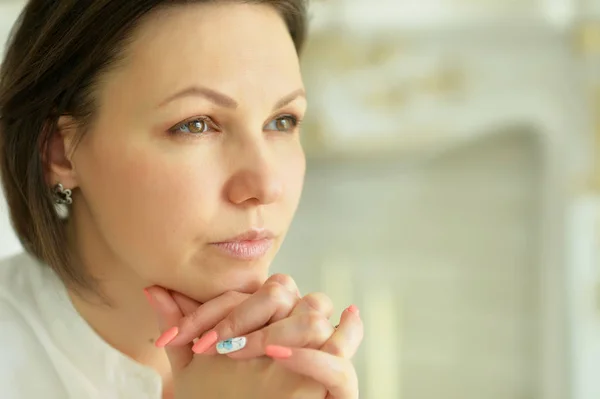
point(128, 326)
point(119, 313)
point(126, 323)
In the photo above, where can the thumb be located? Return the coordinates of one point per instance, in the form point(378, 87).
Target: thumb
point(168, 315)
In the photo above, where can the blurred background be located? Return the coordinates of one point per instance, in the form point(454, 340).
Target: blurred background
point(453, 192)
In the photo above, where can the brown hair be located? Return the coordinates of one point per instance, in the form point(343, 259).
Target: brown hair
point(56, 53)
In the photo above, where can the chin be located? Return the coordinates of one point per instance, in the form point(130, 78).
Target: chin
point(210, 285)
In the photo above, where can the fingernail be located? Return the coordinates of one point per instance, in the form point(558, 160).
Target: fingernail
point(354, 310)
point(167, 337)
point(205, 342)
point(278, 352)
point(231, 345)
point(148, 296)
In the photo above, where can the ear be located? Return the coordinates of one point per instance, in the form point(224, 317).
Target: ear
point(59, 152)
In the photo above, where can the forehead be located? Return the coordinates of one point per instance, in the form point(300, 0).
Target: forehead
point(228, 46)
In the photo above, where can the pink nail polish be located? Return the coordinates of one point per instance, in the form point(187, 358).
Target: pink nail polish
point(167, 337)
point(354, 310)
point(205, 342)
point(278, 352)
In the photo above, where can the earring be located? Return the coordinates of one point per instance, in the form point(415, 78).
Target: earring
point(62, 196)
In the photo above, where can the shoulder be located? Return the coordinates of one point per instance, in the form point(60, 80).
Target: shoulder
point(16, 268)
point(21, 279)
point(25, 368)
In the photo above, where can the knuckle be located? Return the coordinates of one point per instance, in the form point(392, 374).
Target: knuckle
point(315, 322)
point(285, 281)
point(275, 292)
point(282, 279)
point(336, 349)
point(234, 297)
point(318, 301)
point(193, 320)
point(226, 328)
point(231, 295)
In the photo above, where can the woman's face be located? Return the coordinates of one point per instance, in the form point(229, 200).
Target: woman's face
point(195, 144)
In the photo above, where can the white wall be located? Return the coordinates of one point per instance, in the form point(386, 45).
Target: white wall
point(442, 259)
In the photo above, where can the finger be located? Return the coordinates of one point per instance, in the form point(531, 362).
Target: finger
point(288, 283)
point(206, 317)
point(347, 337)
point(336, 374)
point(285, 280)
point(185, 303)
point(168, 315)
point(316, 301)
point(306, 330)
point(253, 314)
point(272, 290)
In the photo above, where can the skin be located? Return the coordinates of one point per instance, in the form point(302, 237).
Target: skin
point(147, 202)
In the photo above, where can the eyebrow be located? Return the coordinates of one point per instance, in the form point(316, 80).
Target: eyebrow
point(225, 101)
point(299, 93)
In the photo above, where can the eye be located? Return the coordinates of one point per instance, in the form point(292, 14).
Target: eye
point(194, 126)
point(285, 123)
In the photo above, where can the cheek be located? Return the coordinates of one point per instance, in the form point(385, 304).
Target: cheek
point(145, 201)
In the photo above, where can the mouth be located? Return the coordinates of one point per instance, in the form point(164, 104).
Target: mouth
point(251, 245)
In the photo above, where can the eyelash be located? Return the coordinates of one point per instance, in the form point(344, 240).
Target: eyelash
point(175, 130)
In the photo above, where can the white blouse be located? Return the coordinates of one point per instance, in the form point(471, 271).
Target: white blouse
point(48, 351)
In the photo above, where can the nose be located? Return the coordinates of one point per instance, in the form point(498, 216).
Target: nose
point(255, 180)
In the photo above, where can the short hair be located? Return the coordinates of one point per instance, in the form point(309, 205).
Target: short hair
point(55, 54)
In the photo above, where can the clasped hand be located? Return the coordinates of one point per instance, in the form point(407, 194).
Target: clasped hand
point(270, 344)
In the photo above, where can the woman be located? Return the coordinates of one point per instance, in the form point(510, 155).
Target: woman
point(152, 147)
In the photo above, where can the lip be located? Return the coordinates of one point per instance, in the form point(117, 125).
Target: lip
point(251, 245)
point(250, 235)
